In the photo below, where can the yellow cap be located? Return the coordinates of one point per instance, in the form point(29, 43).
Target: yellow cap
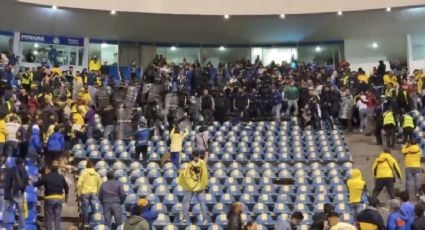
point(142, 202)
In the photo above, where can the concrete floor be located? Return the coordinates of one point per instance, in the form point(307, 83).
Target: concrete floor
point(364, 151)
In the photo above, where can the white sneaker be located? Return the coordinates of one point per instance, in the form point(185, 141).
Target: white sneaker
point(361, 130)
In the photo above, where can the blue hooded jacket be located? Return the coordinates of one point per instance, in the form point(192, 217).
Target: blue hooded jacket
point(408, 209)
point(56, 142)
point(397, 221)
point(34, 143)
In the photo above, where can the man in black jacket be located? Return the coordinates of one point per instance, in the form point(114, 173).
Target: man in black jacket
point(207, 107)
point(241, 105)
point(55, 193)
point(320, 219)
point(108, 121)
point(222, 105)
point(15, 182)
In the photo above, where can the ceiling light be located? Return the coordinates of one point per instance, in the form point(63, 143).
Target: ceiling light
point(226, 16)
point(103, 45)
point(36, 45)
point(375, 45)
point(113, 12)
point(388, 9)
point(173, 48)
point(35, 52)
point(222, 48)
point(282, 16)
point(54, 7)
point(339, 13)
point(318, 49)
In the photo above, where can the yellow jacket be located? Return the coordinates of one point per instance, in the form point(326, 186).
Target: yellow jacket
point(413, 154)
point(94, 66)
point(78, 119)
point(57, 71)
point(177, 140)
point(384, 166)
point(3, 132)
point(189, 180)
point(85, 97)
point(89, 182)
point(356, 186)
point(363, 78)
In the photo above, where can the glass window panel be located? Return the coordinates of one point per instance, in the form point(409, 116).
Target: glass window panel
point(224, 55)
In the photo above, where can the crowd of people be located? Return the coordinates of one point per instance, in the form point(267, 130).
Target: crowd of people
point(47, 110)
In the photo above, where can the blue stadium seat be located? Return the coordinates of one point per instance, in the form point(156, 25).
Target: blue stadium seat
point(260, 208)
point(227, 199)
point(221, 220)
point(170, 227)
point(220, 208)
point(215, 227)
point(265, 219)
point(162, 220)
point(101, 227)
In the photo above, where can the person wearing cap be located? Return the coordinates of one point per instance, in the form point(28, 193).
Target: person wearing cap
point(147, 211)
point(385, 169)
point(356, 187)
point(412, 162)
point(336, 224)
point(397, 219)
point(389, 124)
point(142, 136)
point(296, 218)
point(194, 179)
point(111, 196)
point(370, 218)
point(135, 221)
point(408, 126)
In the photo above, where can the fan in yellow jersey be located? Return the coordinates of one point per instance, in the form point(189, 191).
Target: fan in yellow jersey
point(194, 179)
point(412, 163)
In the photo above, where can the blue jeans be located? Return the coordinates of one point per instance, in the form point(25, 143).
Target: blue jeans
point(89, 131)
point(356, 208)
point(412, 177)
point(112, 210)
point(186, 204)
point(276, 111)
point(86, 201)
point(175, 159)
point(53, 213)
point(11, 148)
point(18, 201)
point(108, 132)
point(292, 104)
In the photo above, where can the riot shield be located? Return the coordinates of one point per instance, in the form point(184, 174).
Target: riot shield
point(124, 129)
